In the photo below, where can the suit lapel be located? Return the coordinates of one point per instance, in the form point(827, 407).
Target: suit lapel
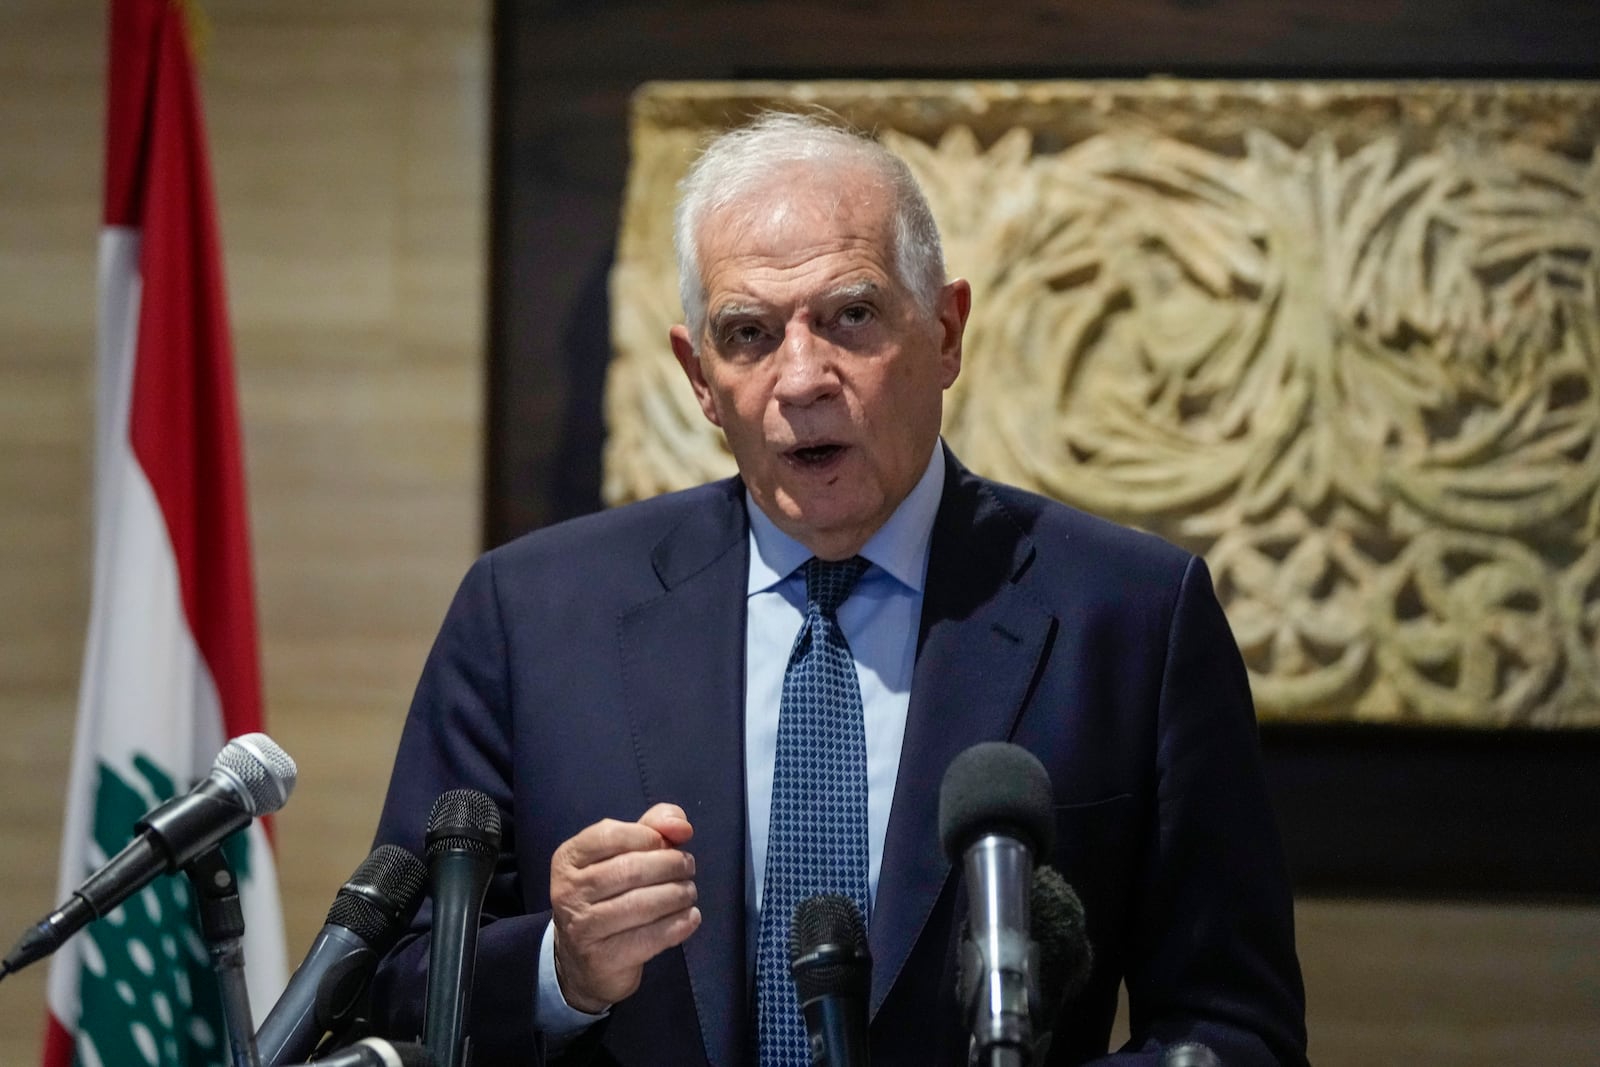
point(683, 667)
point(980, 644)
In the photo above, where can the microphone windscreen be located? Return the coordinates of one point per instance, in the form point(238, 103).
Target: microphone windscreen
point(828, 948)
point(465, 820)
point(1065, 955)
point(262, 768)
point(996, 788)
point(381, 896)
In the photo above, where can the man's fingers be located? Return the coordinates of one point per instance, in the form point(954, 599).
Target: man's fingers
point(643, 943)
point(631, 870)
point(664, 811)
point(612, 968)
point(663, 826)
point(608, 838)
point(589, 923)
point(670, 822)
point(621, 893)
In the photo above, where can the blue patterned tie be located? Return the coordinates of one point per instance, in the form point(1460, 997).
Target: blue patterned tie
point(817, 840)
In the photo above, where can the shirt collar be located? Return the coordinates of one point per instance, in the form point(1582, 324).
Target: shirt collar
point(900, 547)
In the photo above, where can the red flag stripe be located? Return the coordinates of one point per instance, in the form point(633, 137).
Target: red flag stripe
point(183, 421)
point(129, 93)
point(58, 1047)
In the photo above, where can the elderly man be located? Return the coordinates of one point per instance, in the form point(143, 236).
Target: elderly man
point(776, 670)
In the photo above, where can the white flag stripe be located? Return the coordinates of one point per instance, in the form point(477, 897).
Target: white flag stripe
point(267, 955)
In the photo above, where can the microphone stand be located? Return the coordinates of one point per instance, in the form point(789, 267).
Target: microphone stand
point(222, 925)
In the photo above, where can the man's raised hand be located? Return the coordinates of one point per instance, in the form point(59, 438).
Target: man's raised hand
point(620, 893)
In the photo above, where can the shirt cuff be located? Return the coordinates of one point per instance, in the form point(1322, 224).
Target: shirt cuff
point(552, 1015)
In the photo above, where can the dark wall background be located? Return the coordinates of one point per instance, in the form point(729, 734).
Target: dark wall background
point(1363, 809)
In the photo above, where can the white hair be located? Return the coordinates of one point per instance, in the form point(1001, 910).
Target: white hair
point(747, 160)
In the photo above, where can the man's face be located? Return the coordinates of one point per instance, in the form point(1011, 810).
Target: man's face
point(819, 366)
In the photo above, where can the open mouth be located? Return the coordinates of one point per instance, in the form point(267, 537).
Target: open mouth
point(814, 455)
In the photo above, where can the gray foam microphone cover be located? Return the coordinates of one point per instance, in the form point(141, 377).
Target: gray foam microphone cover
point(996, 788)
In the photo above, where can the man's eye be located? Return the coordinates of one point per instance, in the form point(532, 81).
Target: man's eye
point(742, 335)
point(855, 315)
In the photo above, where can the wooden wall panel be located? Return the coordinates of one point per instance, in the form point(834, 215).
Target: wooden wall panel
point(1450, 984)
point(350, 162)
point(51, 106)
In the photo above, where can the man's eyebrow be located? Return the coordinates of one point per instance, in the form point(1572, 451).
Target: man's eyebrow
point(728, 312)
point(864, 289)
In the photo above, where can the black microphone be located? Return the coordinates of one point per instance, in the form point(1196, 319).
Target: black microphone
point(463, 842)
point(995, 815)
point(832, 972)
point(376, 1052)
point(251, 776)
point(368, 915)
point(1065, 956)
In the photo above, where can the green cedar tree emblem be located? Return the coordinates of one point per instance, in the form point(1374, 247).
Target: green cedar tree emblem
point(148, 994)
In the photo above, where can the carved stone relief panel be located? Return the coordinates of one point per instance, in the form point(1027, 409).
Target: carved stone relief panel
point(1341, 339)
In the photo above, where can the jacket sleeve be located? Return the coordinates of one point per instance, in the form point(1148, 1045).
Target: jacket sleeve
point(1212, 957)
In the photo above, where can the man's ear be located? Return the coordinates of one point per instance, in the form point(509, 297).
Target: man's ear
point(955, 302)
point(683, 350)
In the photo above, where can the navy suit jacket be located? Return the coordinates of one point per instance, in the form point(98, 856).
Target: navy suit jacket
point(596, 667)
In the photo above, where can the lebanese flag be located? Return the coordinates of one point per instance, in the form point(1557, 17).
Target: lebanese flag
point(170, 670)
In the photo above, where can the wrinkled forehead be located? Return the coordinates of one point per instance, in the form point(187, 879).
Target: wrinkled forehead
point(796, 202)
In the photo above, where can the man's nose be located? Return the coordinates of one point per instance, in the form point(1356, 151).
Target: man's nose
point(807, 372)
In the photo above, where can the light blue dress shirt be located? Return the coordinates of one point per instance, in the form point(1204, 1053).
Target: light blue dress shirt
point(880, 620)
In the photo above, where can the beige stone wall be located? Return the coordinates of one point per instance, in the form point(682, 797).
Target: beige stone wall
point(349, 144)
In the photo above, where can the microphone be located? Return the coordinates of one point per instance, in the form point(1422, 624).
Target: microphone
point(463, 843)
point(995, 815)
point(1065, 956)
point(376, 1052)
point(251, 776)
point(368, 915)
point(832, 973)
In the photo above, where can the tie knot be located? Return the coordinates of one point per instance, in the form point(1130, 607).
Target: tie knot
point(828, 582)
